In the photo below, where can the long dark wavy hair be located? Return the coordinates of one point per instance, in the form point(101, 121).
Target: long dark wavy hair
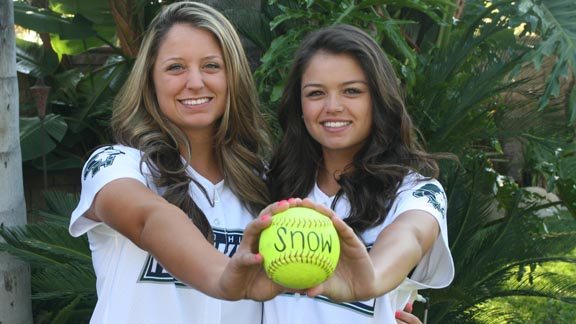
point(390, 152)
point(241, 135)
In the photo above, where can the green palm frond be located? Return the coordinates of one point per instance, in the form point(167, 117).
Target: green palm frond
point(45, 244)
point(63, 280)
point(60, 207)
point(488, 315)
point(453, 99)
point(69, 280)
point(69, 310)
point(549, 284)
point(499, 247)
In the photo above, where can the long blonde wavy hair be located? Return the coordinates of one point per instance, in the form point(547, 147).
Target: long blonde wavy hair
point(241, 136)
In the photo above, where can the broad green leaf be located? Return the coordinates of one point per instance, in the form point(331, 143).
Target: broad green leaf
point(35, 60)
point(39, 137)
point(45, 21)
point(97, 12)
point(104, 35)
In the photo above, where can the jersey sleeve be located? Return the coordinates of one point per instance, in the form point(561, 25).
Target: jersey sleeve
point(104, 165)
point(436, 269)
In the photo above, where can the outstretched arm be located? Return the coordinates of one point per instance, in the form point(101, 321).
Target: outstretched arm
point(398, 249)
point(166, 232)
point(400, 246)
point(162, 229)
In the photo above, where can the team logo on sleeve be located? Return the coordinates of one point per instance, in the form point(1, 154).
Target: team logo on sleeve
point(101, 160)
point(436, 197)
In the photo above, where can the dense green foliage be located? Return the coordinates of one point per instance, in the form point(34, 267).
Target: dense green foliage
point(473, 80)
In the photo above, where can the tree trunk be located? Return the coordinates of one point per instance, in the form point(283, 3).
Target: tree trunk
point(15, 303)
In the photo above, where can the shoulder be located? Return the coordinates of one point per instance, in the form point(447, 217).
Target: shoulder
point(113, 150)
point(421, 192)
point(416, 181)
point(111, 157)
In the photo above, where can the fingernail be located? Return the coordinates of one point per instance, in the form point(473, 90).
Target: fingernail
point(291, 200)
point(257, 257)
point(282, 202)
point(397, 314)
point(265, 217)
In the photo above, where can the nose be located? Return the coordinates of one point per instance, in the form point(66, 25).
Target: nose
point(333, 104)
point(195, 79)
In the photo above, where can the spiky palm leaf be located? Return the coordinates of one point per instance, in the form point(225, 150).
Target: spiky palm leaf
point(497, 254)
point(59, 207)
point(454, 94)
point(63, 280)
point(44, 244)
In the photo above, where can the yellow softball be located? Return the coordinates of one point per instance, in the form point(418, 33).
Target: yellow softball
point(300, 248)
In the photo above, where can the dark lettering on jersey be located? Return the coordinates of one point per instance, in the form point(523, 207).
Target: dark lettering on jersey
point(154, 272)
point(435, 196)
point(101, 160)
point(227, 242)
point(365, 308)
point(224, 241)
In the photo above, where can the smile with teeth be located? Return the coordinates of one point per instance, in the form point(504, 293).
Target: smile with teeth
point(195, 101)
point(335, 124)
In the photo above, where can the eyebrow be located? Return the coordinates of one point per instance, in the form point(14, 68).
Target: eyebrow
point(178, 58)
point(343, 84)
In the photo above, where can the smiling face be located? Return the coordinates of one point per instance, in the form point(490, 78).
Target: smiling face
point(190, 79)
point(336, 103)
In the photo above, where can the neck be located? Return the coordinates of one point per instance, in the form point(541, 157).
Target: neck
point(328, 175)
point(203, 158)
point(326, 181)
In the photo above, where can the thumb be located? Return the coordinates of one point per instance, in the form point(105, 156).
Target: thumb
point(315, 291)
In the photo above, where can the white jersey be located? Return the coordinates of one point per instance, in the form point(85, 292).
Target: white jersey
point(435, 270)
point(132, 286)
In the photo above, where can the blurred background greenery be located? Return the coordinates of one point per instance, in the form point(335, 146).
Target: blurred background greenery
point(490, 81)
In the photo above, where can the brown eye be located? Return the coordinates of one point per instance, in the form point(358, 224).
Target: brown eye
point(314, 93)
point(212, 66)
point(352, 91)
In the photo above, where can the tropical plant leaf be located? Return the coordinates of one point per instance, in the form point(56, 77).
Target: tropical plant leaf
point(45, 21)
point(555, 22)
point(97, 90)
point(63, 279)
point(35, 60)
point(97, 12)
point(69, 280)
point(39, 137)
point(45, 244)
point(567, 192)
point(103, 37)
point(59, 207)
